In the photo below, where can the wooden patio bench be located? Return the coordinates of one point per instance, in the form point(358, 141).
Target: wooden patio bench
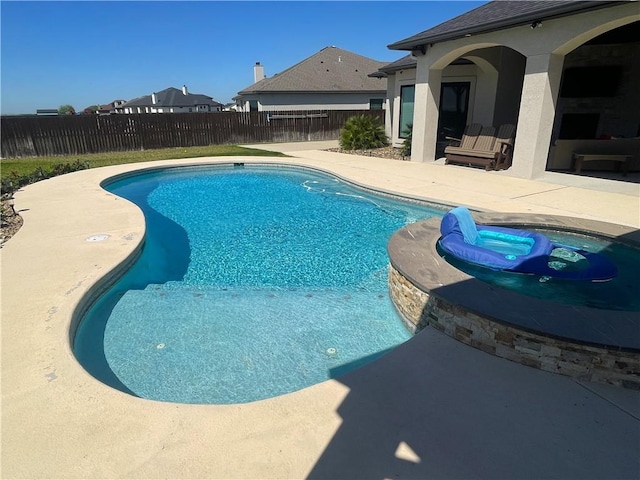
point(488, 150)
point(580, 158)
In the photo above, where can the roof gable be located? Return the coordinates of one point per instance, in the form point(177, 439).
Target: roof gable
point(498, 15)
point(330, 70)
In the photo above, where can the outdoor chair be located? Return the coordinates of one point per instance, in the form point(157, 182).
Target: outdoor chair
point(469, 137)
point(490, 150)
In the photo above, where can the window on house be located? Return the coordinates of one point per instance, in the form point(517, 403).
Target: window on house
point(376, 103)
point(253, 105)
point(407, 96)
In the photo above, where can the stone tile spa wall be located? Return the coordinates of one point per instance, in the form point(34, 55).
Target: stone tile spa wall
point(585, 343)
point(552, 355)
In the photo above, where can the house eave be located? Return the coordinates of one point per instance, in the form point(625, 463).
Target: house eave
point(554, 11)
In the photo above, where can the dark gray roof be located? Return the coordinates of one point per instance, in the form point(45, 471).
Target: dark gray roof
point(330, 70)
point(409, 61)
point(172, 97)
point(498, 15)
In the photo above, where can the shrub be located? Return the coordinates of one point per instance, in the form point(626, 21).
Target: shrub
point(14, 181)
point(406, 145)
point(362, 132)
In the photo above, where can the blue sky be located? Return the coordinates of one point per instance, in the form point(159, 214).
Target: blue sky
point(85, 53)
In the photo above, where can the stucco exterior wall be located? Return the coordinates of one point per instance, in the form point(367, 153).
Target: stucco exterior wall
point(560, 35)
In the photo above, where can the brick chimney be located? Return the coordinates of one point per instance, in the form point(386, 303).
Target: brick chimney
point(154, 99)
point(184, 90)
point(258, 72)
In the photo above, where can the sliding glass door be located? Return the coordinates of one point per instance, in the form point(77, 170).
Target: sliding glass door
point(454, 108)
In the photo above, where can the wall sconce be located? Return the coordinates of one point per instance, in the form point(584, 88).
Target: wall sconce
point(536, 24)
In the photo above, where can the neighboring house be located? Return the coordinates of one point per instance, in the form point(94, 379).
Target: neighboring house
point(230, 107)
point(107, 109)
point(171, 100)
point(566, 73)
point(332, 79)
point(110, 108)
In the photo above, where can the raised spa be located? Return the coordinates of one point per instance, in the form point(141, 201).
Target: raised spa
point(545, 323)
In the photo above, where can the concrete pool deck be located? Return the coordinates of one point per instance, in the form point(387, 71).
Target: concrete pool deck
point(433, 407)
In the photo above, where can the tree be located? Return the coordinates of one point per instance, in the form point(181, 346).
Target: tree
point(66, 110)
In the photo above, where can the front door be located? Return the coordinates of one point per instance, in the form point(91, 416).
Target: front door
point(454, 106)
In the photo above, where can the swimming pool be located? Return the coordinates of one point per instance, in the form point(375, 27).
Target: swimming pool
point(253, 282)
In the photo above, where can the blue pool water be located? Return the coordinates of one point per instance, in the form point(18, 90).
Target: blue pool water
point(252, 283)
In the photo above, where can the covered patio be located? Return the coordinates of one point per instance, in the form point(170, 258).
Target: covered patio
point(562, 72)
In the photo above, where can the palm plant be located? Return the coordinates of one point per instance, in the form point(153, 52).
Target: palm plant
point(362, 132)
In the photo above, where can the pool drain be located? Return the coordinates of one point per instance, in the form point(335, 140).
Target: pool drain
point(332, 351)
point(160, 346)
point(97, 238)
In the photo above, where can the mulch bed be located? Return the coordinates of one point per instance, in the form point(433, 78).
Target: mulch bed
point(383, 152)
point(11, 221)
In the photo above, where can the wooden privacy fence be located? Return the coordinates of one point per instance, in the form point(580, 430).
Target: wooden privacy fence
point(70, 135)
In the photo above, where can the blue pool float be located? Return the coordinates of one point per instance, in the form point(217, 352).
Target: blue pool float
point(520, 251)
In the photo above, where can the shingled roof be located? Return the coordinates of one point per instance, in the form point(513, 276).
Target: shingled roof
point(330, 70)
point(407, 62)
point(173, 97)
point(498, 15)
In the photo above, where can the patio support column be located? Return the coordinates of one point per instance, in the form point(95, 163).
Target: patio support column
point(425, 113)
point(537, 113)
point(388, 117)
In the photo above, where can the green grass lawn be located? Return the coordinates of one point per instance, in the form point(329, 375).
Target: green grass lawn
point(25, 166)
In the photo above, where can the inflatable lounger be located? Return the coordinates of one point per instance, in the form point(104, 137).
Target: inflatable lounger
point(520, 251)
